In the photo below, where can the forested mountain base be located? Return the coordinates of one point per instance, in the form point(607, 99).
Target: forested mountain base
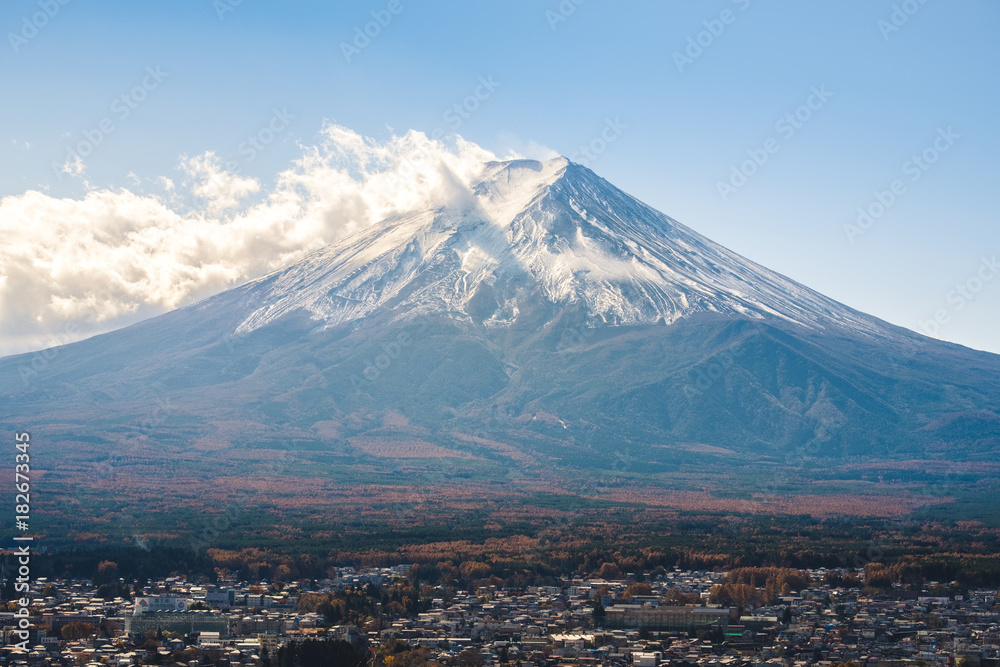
point(608, 543)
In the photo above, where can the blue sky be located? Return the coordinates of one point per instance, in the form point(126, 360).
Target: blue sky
point(895, 80)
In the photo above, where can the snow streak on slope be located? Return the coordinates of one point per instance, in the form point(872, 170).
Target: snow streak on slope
point(529, 232)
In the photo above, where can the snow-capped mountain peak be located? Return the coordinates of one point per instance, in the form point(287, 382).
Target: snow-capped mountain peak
point(533, 232)
point(508, 187)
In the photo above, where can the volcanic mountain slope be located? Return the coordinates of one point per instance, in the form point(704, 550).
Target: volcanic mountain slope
point(540, 233)
point(545, 316)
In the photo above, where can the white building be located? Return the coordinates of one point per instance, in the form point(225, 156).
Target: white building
point(646, 659)
point(146, 605)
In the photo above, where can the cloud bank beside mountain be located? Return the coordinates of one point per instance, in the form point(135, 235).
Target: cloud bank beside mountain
point(71, 268)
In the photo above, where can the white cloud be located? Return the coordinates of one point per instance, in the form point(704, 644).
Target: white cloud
point(74, 167)
point(514, 146)
point(75, 267)
point(219, 188)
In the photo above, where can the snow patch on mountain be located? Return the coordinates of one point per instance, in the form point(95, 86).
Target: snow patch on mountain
point(508, 187)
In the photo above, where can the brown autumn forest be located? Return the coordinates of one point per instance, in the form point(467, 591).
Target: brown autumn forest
point(261, 512)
